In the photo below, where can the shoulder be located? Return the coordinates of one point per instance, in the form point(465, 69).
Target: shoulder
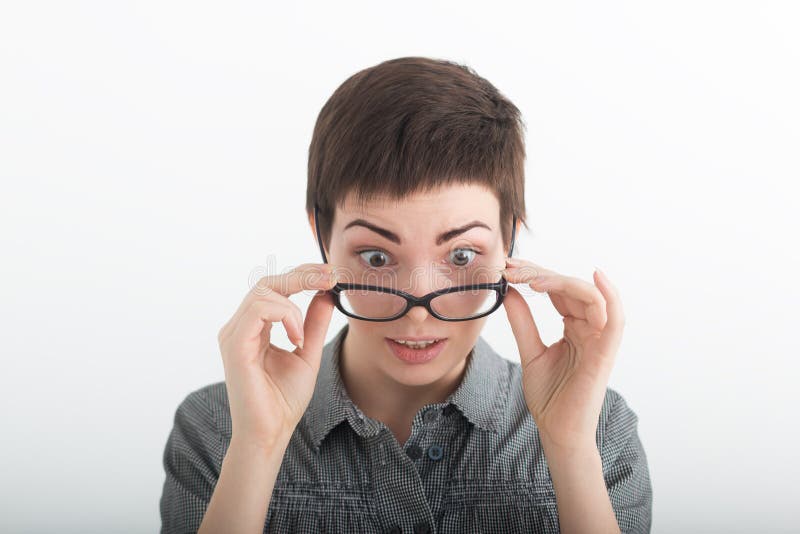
point(617, 422)
point(624, 461)
point(207, 407)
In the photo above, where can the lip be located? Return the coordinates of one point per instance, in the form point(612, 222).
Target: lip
point(416, 356)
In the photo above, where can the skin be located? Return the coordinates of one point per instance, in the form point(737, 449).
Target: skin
point(269, 388)
point(384, 387)
point(564, 383)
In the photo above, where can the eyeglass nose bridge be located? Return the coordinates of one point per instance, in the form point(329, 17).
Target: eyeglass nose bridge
point(424, 301)
point(412, 301)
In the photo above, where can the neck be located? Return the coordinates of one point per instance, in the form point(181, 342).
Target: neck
point(384, 399)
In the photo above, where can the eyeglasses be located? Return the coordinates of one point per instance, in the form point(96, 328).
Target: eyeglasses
point(375, 303)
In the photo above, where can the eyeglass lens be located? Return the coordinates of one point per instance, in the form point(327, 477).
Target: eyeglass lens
point(380, 305)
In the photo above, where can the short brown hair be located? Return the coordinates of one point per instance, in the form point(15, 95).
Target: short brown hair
point(413, 124)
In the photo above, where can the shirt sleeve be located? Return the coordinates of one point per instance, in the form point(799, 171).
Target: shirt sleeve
point(192, 461)
point(625, 468)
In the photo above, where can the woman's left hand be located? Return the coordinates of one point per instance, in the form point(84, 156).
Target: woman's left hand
point(565, 384)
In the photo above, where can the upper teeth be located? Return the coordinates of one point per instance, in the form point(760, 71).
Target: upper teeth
point(416, 343)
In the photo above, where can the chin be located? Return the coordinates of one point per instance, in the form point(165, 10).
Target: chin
point(422, 373)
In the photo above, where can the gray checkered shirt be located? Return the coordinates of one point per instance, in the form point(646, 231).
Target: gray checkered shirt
point(473, 463)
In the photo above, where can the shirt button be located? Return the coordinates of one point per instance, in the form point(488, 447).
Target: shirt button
point(435, 452)
point(448, 410)
point(431, 416)
point(395, 530)
point(422, 528)
point(414, 452)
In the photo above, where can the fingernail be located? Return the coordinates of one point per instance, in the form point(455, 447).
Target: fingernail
point(513, 261)
point(299, 343)
point(599, 271)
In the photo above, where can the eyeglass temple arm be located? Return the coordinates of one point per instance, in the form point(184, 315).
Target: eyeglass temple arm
point(513, 233)
point(319, 236)
point(325, 259)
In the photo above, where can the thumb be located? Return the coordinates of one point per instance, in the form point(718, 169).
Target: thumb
point(522, 324)
point(315, 327)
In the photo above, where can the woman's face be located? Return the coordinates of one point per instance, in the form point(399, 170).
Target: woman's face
point(417, 245)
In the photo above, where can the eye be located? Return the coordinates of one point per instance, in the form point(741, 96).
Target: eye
point(375, 258)
point(461, 257)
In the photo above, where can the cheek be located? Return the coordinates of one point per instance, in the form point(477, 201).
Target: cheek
point(462, 336)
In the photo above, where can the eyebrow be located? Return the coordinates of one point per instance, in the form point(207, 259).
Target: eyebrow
point(391, 236)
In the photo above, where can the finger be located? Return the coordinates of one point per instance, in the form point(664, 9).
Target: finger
point(588, 295)
point(296, 313)
point(265, 341)
point(523, 325)
point(551, 281)
point(612, 333)
point(260, 315)
point(567, 307)
point(308, 276)
point(312, 276)
point(318, 318)
point(297, 316)
point(533, 268)
point(230, 327)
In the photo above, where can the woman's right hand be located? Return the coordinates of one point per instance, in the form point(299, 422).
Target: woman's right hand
point(269, 388)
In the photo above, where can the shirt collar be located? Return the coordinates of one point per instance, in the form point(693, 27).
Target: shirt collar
point(481, 396)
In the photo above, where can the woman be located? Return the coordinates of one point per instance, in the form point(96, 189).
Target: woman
point(407, 420)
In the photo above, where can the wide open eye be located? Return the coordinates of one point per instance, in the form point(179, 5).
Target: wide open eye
point(462, 257)
point(375, 258)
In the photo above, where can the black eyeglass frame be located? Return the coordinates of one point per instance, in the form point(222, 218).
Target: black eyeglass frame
point(500, 287)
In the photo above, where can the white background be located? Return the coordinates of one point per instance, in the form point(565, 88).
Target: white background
point(153, 159)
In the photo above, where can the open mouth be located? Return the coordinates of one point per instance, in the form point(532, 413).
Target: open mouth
point(416, 351)
point(416, 344)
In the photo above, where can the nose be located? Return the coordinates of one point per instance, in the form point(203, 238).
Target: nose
point(427, 277)
point(423, 282)
point(418, 314)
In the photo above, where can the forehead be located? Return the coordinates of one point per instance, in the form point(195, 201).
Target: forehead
point(448, 205)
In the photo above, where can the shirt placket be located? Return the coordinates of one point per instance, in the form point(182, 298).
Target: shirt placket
point(408, 479)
